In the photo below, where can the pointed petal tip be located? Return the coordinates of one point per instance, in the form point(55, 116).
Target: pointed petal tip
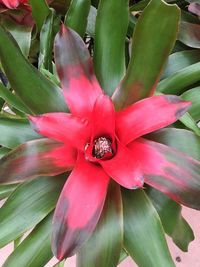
point(182, 105)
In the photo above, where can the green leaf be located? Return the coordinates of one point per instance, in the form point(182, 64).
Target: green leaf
point(6, 190)
point(178, 82)
point(90, 29)
point(13, 100)
point(40, 11)
point(77, 14)
point(176, 226)
point(35, 250)
point(27, 206)
point(48, 32)
point(152, 44)
point(181, 139)
point(15, 132)
point(20, 32)
point(34, 89)
point(189, 34)
point(4, 151)
point(139, 6)
point(104, 246)
point(179, 61)
point(189, 122)
point(193, 95)
point(109, 49)
point(143, 233)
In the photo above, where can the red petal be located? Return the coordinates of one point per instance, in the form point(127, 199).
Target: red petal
point(149, 115)
point(63, 127)
point(78, 208)
point(170, 171)
point(10, 3)
point(123, 168)
point(103, 118)
point(75, 70)
point(36, 158)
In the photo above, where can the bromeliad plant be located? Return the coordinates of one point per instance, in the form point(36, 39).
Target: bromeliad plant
point(93, 154)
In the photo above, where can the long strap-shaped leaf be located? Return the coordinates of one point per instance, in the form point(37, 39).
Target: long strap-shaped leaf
point(143, 233)
point(110, 34)
point(152, 43)
point(27, 206)
point(35, 250)
point(104, 246)
point(15, 132)
point(76, 17)
point(35, 90)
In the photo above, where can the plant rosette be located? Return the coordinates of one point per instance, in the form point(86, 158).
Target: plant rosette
point(102, 144)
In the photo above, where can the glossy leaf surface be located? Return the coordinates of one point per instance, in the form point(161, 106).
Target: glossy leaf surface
point(143, 231)
point(183, 140)
point(35, 250)
point(75, 70)
point(176, 226)
point(193, 95)
point(12, 100)
point(178, 82)
point(29, 84)
point(170, 171)
point(74, 224)
point(190, 123)
point(27, 206)
point(77, 14)
point(15, 132)
point(104, 246)
point(109, 50)
point(21, 33)
point(180, 60)
point(189, 34)
point(40, 11)
point(47, 34)
point(36, 158)
point(145, 65)
point(6, 190)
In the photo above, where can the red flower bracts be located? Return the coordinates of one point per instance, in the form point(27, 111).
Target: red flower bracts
point(101, 144)
point(13, 3)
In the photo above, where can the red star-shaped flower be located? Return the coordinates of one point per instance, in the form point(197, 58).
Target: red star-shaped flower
point(101, 144)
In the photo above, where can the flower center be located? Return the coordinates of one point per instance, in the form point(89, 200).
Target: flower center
point(102, 148)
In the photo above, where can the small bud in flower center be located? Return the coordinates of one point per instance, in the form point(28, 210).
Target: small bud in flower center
point(102, 148)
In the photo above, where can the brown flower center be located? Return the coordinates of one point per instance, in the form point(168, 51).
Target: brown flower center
point(102, 148)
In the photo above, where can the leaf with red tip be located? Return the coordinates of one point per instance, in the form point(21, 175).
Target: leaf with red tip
point(36, 158)
point(152, 44)
point(75, 71)
point(104, 246)
point(103, 118)
point(63, 127)
point(189, 34)
point(149, 115)
point(169, 171)
point(123, 168)
point(78, 208)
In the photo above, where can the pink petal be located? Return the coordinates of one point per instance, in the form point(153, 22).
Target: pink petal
point(123, 168)
point(75, 71)
point(149, 115)
point(78, 208)
point(103, 118)
point(170, 171)
point(10, 3)
point(36, 158)
point(63, 127)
